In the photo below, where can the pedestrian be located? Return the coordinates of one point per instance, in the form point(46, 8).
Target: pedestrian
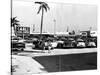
point(46, 45)
point(49, 46)
point(43, 46)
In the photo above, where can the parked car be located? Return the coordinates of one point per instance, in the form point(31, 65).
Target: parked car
point(17, 44)
point(95, 40)
point(69, 43)
point(15, 39)
point(91, 43)
point(60, 43)
point(31, 40)
point(54, 44)
point(28, 41)
point(81, 43)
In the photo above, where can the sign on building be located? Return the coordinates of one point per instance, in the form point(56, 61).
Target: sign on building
point(23, 31)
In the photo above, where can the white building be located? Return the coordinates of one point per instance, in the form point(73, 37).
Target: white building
point(62, 33)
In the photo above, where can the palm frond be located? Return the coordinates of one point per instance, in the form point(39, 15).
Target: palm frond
point(14, 19)
point(44, 8)
point(14, 22)
point(39, 9)
point(39, 2)
point(47, 7)
point(44, 5)
point(17, 24)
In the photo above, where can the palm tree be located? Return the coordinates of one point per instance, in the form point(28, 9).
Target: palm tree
point(43, 6)
point(14, 23)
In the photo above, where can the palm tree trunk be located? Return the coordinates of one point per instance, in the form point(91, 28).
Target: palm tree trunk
point(41, 22)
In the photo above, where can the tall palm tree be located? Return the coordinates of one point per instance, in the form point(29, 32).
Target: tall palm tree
point(43, 6)
point(14, 23)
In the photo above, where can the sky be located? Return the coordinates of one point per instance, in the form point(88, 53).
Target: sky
point(73, 16)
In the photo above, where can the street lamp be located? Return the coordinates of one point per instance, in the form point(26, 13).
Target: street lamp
point(33, 27)
point(90, 28)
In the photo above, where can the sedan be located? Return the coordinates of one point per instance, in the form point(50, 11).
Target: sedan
point(81, 43)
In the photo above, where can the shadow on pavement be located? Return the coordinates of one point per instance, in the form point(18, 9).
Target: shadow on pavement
point(71, 62)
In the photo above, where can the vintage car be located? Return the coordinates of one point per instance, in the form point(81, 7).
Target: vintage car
point(17, 43)
point(30, 40)
point(54, 44)
point(69, 43)
point(66, 43)
point(80, 43)
point(91, 43)
point(60, 43)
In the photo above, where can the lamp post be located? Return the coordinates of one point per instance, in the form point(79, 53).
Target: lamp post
point(23, 32)
point(90, 28)
point(67, 28)
point(33, 27)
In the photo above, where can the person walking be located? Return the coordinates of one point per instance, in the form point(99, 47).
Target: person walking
point(49, 46)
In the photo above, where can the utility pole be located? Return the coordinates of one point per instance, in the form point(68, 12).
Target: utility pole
point(90, 31)
point(54, 27)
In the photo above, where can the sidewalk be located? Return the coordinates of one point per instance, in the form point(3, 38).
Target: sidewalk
point(26, 65)
point(36, 53)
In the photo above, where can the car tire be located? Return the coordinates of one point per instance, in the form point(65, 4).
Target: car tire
point(22, 49)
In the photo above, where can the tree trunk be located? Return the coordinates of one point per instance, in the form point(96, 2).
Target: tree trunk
point(41, 22)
